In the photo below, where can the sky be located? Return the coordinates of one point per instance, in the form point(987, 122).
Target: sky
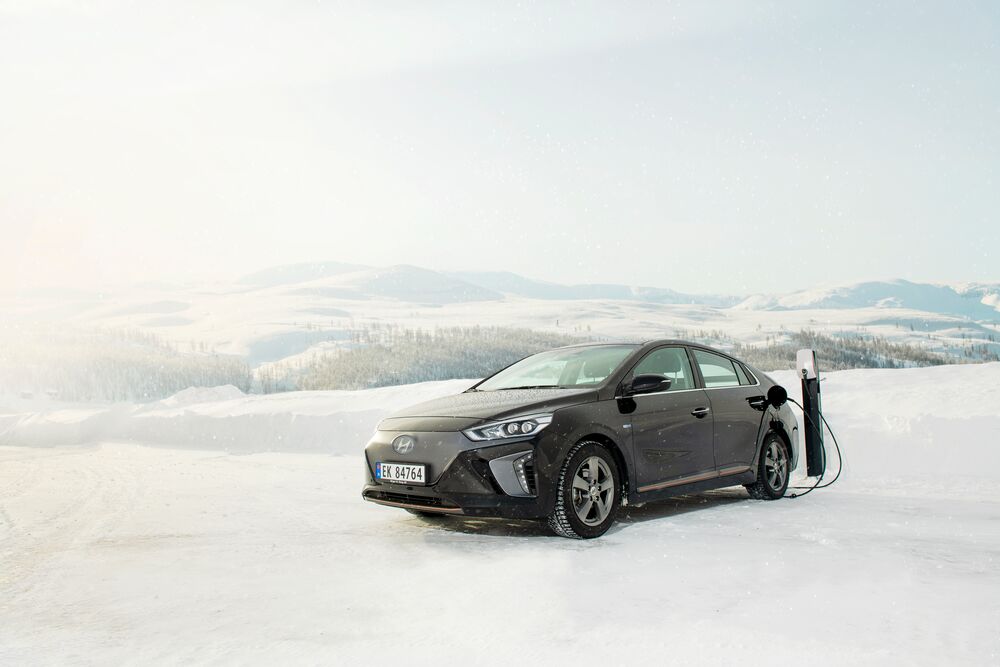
point(705, 147)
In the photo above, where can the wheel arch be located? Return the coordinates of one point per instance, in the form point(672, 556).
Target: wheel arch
point(618, 455)
point(777, 427)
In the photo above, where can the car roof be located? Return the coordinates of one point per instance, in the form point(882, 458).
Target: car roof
point(638, 343)
point(642, 346)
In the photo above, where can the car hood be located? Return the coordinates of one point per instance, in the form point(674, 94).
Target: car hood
point(470, 408)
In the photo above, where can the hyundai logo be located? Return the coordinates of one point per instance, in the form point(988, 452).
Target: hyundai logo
point(403, 444)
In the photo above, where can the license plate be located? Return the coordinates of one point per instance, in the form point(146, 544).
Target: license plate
point(400, 473)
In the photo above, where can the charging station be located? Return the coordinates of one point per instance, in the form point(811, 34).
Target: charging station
point(808, 368)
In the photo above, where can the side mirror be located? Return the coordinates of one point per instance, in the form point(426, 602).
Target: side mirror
point(647, 384)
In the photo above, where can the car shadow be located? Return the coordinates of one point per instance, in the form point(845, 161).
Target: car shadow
point(678, 505)
point(489, 527)
point(662, 509)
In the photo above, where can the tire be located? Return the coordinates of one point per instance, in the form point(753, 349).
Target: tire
point(588, 510)
point(772, 469)
point(426, 515)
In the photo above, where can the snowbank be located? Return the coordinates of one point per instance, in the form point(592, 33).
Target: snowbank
point(917, 424)
point(898, 419)
point(225, 419)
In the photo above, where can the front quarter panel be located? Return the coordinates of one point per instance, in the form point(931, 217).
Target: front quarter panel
point(603, 420)
point(783, 421)
point(791, 426)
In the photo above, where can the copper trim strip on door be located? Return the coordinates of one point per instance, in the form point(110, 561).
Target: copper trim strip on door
point(699, 477)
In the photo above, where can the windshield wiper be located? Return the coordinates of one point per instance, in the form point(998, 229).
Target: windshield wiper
point(533, 386)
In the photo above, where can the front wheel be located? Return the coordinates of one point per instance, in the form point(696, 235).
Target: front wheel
point(772, 471)
point(588, 493)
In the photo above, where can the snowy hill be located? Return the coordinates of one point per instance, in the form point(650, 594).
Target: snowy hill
point(939, 299)
point(517, 285)
point(986, 293)
point(289, 315)
point(290, 274)
point(403, 282)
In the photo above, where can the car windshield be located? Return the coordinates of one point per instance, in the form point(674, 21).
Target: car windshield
point(564, 368)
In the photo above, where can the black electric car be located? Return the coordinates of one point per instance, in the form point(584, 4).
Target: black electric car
point(572, 434)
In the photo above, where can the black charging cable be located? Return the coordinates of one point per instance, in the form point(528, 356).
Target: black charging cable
point(776, 396)
point(840, 458)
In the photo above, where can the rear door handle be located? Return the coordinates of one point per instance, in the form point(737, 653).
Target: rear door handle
point(757, 402)
point(700, 412)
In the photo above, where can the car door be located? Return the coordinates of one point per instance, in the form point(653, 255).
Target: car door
point(671, 430)
point(732, 394)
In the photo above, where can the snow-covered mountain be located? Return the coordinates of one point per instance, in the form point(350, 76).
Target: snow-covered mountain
point(974, 302)
point(518, 285)
point(420, 285)
point(287, 313)
point(289, 274)
point(987, 293)
point(402, 282)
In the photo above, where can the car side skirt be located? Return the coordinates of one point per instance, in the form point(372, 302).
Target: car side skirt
point(696, 483)
point(698, 477)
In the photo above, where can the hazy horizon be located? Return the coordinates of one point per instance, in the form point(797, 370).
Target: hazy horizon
point(152, 285)
point(720, 148)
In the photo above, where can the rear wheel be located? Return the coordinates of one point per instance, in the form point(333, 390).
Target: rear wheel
point(772, 471)
point(588, 493)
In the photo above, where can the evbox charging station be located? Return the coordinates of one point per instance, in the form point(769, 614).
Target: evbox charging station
point(808, 369)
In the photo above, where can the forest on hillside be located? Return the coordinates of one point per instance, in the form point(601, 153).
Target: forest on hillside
point(127, 365)
point(108, 365)
point(398, 355)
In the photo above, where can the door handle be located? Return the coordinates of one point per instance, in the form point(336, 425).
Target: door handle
point(757, 402)
point(700, 412)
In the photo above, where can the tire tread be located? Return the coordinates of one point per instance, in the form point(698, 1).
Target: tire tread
point(558, 521)
point(759, 490)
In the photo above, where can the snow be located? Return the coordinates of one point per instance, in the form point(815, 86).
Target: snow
point(195, 395)
point(115, 551)
point(226, 419)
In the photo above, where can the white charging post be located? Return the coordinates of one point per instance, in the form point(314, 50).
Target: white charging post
point(808, 368)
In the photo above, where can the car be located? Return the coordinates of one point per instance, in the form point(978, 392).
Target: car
point(570, 435)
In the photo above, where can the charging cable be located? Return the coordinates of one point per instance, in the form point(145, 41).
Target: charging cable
point(776, 396)
point(840, 458)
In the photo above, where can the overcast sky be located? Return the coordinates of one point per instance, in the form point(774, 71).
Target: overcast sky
point(706, 147)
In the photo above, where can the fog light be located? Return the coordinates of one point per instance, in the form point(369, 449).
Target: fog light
point(524, 468)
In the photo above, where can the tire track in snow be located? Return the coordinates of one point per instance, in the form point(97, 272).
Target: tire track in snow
point(98, 499)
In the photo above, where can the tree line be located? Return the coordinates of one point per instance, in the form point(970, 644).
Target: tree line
point(398, 355)
point(108, 365)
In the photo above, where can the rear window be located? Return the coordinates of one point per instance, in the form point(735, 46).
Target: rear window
point(742, 374)
point(716, 370)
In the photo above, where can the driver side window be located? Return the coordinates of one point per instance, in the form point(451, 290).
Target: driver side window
point(671, 362)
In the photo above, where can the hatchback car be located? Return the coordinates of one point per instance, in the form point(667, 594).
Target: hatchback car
point(571, 435)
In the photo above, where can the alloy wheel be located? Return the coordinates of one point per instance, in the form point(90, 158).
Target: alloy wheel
point(775, 465)
point(593, 491)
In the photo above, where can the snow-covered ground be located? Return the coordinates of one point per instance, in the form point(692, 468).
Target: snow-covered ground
point(151, 534)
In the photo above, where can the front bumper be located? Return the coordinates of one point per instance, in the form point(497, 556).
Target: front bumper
point(460, 479)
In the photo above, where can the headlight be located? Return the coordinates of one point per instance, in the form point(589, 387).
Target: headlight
point(509, 428)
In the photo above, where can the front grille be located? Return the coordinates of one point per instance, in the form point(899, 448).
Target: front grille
point(408, 499)
point(529, 475)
